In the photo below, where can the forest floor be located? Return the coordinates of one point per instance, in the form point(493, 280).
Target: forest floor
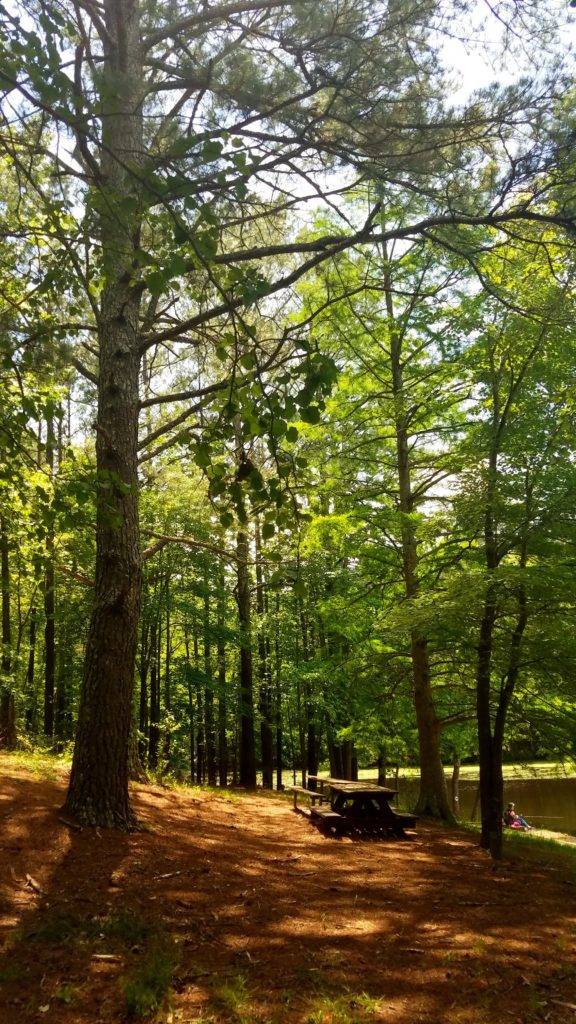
point(250, 916)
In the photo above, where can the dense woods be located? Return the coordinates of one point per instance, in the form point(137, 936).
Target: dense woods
point(287, 448)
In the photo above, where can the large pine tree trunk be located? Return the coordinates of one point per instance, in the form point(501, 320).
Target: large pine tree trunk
point(98, 790)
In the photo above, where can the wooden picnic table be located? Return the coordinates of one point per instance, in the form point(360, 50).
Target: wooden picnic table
point(363, 806)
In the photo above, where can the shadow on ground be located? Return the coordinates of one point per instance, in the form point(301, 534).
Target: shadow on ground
point(272, 921)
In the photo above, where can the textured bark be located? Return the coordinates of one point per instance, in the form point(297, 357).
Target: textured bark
point(143, 695)
point(455, 784)
point(98, 790)
point(49, 603)
point(167, 683)
point(7, 705)
point(209, 691)
point(222, 703)
point(433, 796)
point(247, 766)
point(31, 703)
point(264, 676)
point(154, 730)
point(278, 702)
point(200, 735)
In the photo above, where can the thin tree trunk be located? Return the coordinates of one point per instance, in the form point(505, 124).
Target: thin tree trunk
point(191, 732)
point(247, 773)
point(31, 698)
point(209, 690)
point(279, 724)
point(98, 790)
point(455, 784)
point(264, 679)
point(222, 708)
point(49, 601)
point(154, 731)
point(7, 706)
point(143, 696)
point(200, 733)
point(167, 681)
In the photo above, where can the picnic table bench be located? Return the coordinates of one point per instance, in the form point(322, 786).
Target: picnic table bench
point(362, 807)
point(312, 793)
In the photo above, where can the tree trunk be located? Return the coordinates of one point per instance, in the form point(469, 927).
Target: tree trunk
point(433, 796)
point(456, 784)
point(7, 707)
point(222, 709)
point(208, 690)
point(49, 601)
point(247, 773)
point(200, 721)
point(31, 699)
point(154, 732)
point(279, 727)
point(191, 733)
point(264, 678)
point(98, 790)
point(143, 696)
point(167, 684)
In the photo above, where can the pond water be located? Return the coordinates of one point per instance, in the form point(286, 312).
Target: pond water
point(545, 803)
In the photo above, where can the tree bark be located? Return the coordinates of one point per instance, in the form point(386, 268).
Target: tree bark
point(7, 706)
point(98, 790)
point(208, 689)
point(433, 796)
point(264, 677)
point(222, 703)
point(154, 731)
point(279, 721)
point(455, 784)
point(247, 771)
point(49, 601)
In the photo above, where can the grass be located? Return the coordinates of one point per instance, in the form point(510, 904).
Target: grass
point(550, 852)
point(348, 1009)
point(124, 928)
point(147, 985)
point(66, 994)
point(42, 762)
point(11, 973)
point(234, 998)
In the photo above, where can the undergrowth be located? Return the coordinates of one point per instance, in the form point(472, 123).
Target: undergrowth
point(548, 852)
point(147, 985)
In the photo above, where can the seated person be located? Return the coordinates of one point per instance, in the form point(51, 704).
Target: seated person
point(514, 820)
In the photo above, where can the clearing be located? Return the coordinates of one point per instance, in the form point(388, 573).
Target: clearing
point(250, 915)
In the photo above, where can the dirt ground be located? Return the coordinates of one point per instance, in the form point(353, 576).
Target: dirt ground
point(268, 921)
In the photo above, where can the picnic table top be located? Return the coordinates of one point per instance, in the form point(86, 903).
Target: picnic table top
point(347, 786)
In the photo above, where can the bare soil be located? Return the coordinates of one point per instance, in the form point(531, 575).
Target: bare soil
point(272, 922)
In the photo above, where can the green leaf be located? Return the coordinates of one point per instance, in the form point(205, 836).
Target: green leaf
point(310, 414)
point(212, 150)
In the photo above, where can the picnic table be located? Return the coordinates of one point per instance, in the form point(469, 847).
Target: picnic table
point(346, 806)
